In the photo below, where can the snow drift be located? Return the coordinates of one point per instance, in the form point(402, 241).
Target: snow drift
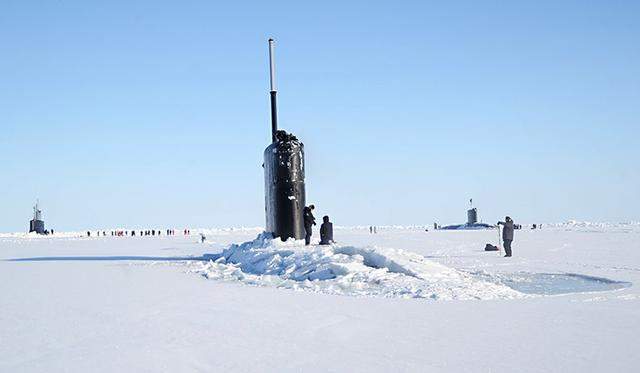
point(346, 270)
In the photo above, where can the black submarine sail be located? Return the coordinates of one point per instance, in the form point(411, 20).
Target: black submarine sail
point(36, 224)
point(283, 174)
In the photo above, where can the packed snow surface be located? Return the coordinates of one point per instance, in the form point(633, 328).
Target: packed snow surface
point(347, 270)
point(568, 301)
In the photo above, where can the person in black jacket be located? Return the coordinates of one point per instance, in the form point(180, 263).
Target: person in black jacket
point(507, 234)
point(309, 220)
point(326, 231)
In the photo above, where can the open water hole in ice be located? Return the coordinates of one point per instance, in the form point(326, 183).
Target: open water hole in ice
point(554, 283)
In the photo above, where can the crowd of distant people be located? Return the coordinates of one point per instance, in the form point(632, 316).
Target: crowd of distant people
point(139, 233)
point(326, 231)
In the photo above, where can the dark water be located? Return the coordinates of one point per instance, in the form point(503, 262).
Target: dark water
point(554, 283)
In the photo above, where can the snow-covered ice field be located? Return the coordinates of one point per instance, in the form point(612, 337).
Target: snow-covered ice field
point(399, 300)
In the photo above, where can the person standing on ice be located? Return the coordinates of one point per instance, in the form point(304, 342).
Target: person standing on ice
point(507, 235)
point(326, 231)
point(309, 221)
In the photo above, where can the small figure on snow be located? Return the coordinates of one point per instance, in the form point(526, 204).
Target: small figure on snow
point(309, 221)
point(326, 231)
point(507, 234)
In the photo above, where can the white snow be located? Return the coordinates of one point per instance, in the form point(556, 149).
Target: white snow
point(134, 304)
point(597, 226)
point(347, 270)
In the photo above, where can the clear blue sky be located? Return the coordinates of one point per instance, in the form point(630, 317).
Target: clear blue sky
point(154, 113)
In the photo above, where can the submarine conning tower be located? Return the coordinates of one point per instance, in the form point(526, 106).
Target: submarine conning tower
point(472, 216)
point(283, 174)
point(36, 224)
point(472, 213)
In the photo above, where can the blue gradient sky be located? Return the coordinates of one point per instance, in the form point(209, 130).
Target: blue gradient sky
point(147, 113)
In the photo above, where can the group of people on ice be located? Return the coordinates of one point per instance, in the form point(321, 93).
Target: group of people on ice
point(133, 233)
point(326, 229)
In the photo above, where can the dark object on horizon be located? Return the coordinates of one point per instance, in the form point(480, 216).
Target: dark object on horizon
point(309, 222)
point(36, 224)
point(326, 231)
point(472, 213)
point(472, 221)
point(472, 216)
point(490, 247)
point(283, 175)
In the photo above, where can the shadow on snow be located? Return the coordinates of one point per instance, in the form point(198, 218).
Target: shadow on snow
point(205, 257)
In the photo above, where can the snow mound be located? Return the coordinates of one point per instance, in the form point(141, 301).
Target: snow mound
point(346, 270)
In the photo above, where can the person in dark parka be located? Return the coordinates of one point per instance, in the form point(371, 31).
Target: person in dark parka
point(309, 221)
point(507, 234)
point(326, 231)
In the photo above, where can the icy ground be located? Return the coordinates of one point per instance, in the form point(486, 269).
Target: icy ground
point(400, 300)
point(346, 270)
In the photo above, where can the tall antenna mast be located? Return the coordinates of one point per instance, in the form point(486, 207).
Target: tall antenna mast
point(272, 81)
